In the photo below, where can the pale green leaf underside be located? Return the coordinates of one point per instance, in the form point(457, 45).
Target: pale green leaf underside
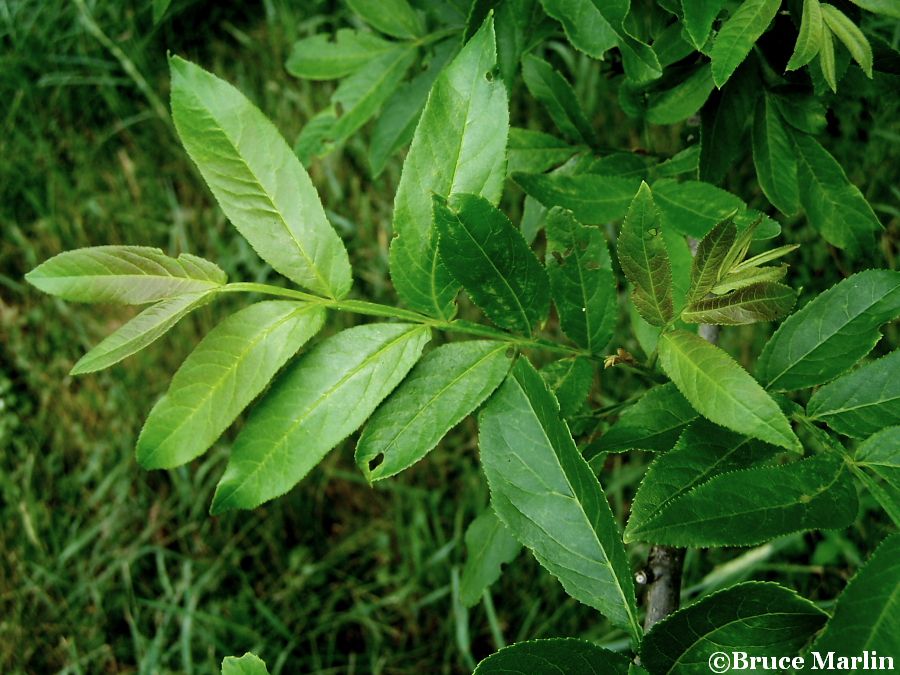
point(131, 275)
point(765, 301)
point(224, 373)
point(545, 492)
point(459, 146)
point(832, 332)
point(257, 180)
point(444, 387)
point(554, 656)
point(862, 402)
point(140, 332)
point(750, 506)
point(489, 546)
point(721, 390)
point(320, 400)
point(867, 614)
point(765, 617)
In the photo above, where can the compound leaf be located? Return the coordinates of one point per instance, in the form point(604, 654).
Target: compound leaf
point(738, 35)
point(750, 506)
point(545, 492)
point(772, 618)
point(553, 656)
point(582, 280)
point(862, 402)
point(320, 400)
point(722, 391)
point(139, 332)
point(489, 546)
point(444, 387)
point(645, 259)
point(459, 146)
point(224, 373)
point(488, 256)
point(257, 180)
point(832, 332)
point(131, 275)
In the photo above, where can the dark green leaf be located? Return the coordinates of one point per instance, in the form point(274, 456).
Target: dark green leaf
point(809, 40)
point(683, 100)
point(489, 546)
point(880, 455)
point(766, 618)
point(320, 400)
point(698, 19)
point(685, 162)
point(257, 180)
point(804, 112)
point(832, 332)
point(444, 387)
point(318, 58)
point(774, 157)
point(570, 381)
point(707, 267)
point(535, 151)
point(585, 26)
point(581, 277)
point(738, 35)
point(487, 255)
point(750, 506)
point(553, 91)
point(693, 208)
point(459, 146)
point(226, 371)
point(547, 495)
point(645, 260)
point(860, 403)
point(723, 121)
point(592, 199)
point(554, 656)
point(722, 391)
point(392, 17)
point(160, 7)
point(131, 275)
point(313, 139)
point(142, 330)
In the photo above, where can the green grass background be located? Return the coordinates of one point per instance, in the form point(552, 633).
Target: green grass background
point(105, 568)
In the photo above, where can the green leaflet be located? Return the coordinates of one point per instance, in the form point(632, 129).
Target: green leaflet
point(834, 205)
point(160, 7)
point(585, 26)
point(683, 100)
point(708, 265)
point(809, 40)
point(881, 449)
point(547, 495)
point(488, 257)
point(363, 93)
point(645, 260)
point(886, 7)
point(880, 455)
point(724, 119)
point(832, 332)
point(520, 25)
point(444, 387)
point(764, 301)
point(698, 19)
point(313, 141)
point(396, 124)
point(866, 617)
point(554, 656)
point(459, 146)
point(765, 617)
point(553, 92)
point(131, 275)
point(703, 451)
point(324, 397)
point(139, 332)
point(570, 380)
point(226, 371)
point(320, 58)
point(853, 38)
point(826, 59)
point(751, 506)
point(748, 277)
point(593, 199)
point(803, 112)
point(582, 280)
point(722, 391)
point(489, 546)
point(686, 161)
point(257, 180)
point(653, 423)
point(774, 157)
point(862, 402)
point(693, 207)
point(536, 152)
point(671, 45)
point(738, 35)
point(888, 494)
point(248, 664)
point(392, 17)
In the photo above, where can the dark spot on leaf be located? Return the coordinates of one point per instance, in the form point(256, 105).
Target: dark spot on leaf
point(376, 461)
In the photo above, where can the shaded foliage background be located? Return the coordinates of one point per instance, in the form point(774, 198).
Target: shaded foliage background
point(107, 568)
